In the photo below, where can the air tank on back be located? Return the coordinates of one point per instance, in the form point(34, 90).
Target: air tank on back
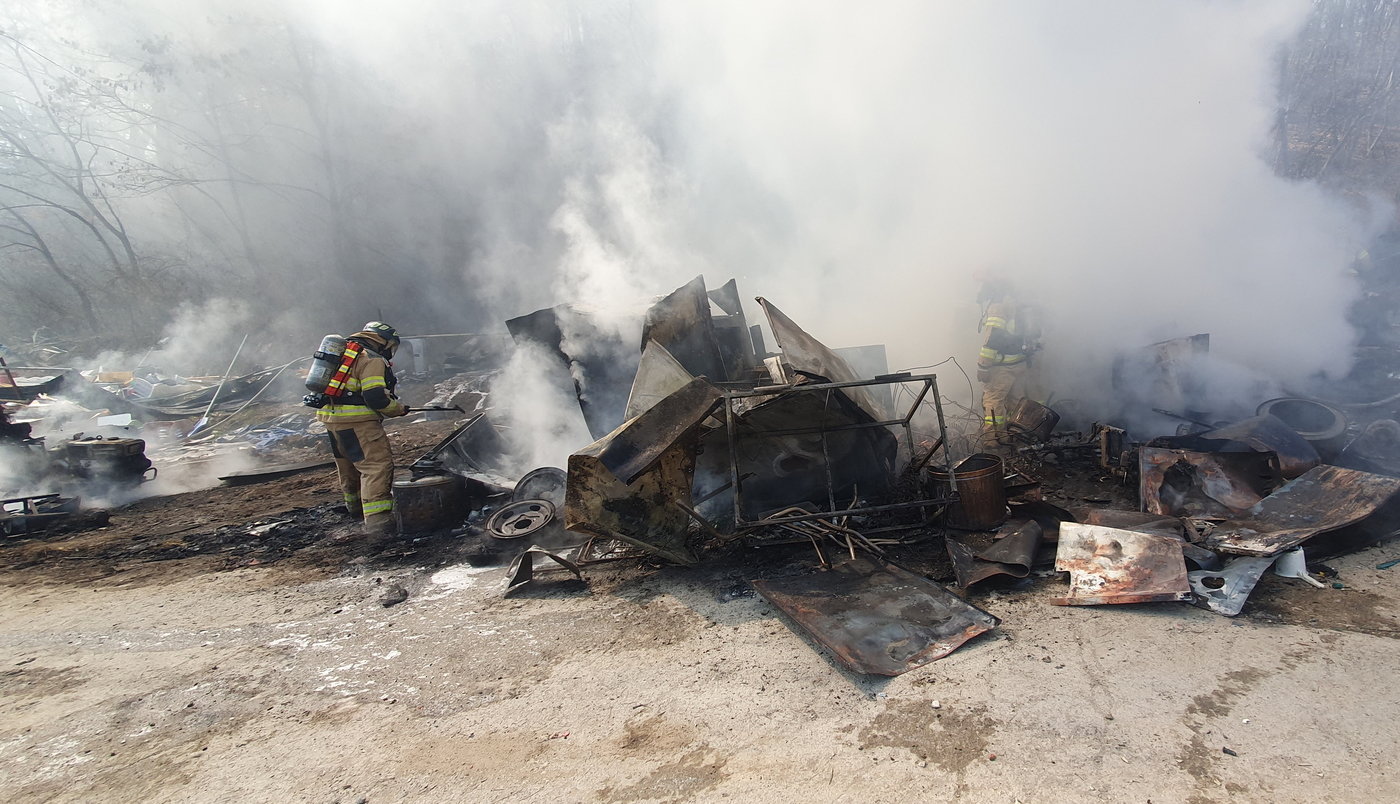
point(325, 363)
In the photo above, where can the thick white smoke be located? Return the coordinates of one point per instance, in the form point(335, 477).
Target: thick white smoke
point(1106, 156)
point(863, 167)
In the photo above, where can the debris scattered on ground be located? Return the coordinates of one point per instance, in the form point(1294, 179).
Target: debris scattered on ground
point(843, 484)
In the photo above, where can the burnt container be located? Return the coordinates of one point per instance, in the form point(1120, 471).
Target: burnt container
point(429, 503)
point(981, 503)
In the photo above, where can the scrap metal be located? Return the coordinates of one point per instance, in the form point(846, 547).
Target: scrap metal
point(624, 485)
point(34, 513)
point(516, 520)
point(597, 359)
point(876, 618)
point(1260, 434)
point(681, 322)
point(522, 570)
point(1324, 499)
point(1224, 590)
point(1108, 565)
point(1013, 554)
point(473, 450)
point(1178, 482)
point(828, 446)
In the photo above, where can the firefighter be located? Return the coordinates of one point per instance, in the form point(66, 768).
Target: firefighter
point(1009, 341)
point(354, 423)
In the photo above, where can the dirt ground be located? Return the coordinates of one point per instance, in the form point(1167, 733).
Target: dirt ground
point(173, 657)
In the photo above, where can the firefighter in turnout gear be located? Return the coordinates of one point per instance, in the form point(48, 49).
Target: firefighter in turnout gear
point(354, 423)
point(1010, 339)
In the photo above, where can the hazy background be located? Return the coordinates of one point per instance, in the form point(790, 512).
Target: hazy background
point(201, 170)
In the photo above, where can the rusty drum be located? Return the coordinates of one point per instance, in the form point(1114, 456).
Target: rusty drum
point(429, 503)
point(981, 503)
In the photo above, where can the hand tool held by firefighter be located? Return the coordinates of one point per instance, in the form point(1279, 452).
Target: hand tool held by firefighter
point(457, 408)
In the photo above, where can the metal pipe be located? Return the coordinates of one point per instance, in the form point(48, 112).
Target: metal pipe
point(773, 390)
point(826, 458)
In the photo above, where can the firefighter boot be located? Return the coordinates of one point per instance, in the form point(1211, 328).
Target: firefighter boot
point(380, 526)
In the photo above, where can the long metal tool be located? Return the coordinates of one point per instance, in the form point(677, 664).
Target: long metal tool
point(203, 420)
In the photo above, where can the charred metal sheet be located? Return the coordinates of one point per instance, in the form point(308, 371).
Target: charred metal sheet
point(1140, 521)
point(659, 375)
point(599, 361)
point(682, 323)
point(1259, 434)
point(1013, 554)
point(624, 485)
point(474, 450)
point(522, 570)
point(1016, 548)
point(1225, 590)
point(726, 298)
point(732, 333)
point(876, 618)
point(1047, 515)
point(1178, 482)
point(811, 357)
point(868, 362)
point(968, 569)
point(1324, 499)
point(1108, 565)
point(271, 472)
point(1201, 557)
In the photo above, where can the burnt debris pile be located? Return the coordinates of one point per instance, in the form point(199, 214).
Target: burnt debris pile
point(876, 521)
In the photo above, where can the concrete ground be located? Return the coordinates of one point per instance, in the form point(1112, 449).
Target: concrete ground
point(177, 681)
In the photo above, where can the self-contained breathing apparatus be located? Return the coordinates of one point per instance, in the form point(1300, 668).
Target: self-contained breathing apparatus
point(330, 368)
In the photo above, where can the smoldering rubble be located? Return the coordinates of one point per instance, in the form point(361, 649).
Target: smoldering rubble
point(864, 507)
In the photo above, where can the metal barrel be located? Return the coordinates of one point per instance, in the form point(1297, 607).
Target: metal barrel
point(429, 503)
point(981, 501)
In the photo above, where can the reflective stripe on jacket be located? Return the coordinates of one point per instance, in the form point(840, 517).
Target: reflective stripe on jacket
point(1000, 327)
point(369, 372)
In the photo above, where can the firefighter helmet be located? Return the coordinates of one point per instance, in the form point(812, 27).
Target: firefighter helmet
point(386, 332)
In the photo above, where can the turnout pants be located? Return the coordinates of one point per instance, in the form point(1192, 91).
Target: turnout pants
point(1002, 388)
point(366, 468)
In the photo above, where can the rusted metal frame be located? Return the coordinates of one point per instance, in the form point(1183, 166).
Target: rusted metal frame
point(774, 390)
point(836, 429)
point(826, 457)
point(930, 383)
point(942, 436)
point(909, 428)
